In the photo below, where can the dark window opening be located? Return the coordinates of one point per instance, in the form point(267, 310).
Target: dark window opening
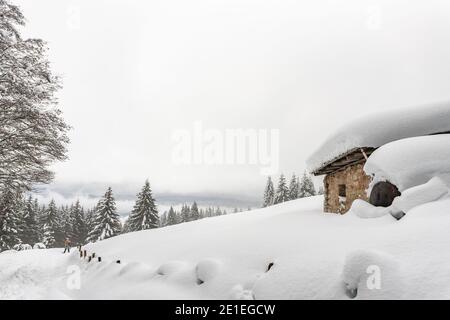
point(342, 190)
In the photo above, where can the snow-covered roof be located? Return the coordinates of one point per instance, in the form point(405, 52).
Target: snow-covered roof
point(378, 129)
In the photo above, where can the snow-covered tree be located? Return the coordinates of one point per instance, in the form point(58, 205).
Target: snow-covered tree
point(282, 193)
point(185, 215)
point(294, 187)
point(32, 132)
point(269, 193)
point(9, 219)
point(51, 226)
point(307, 188)
point(79, 226)
point(30, 234)
point(171, 217)
point(195, 214)
point(106, 221)
point(145, 214)
point(66, 219)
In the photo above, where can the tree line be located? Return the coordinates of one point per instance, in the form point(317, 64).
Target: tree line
point(297, 188)
point(25, 221)
point(191, 213)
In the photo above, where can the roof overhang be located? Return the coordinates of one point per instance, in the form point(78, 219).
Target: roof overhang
point(351, 157)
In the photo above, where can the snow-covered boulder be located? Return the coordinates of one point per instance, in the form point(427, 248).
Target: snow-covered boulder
point(39, 245)
point(411, 162)
point(378, 129)
point(26, 246)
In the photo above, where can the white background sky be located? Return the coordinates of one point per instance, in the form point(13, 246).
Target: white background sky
point(135, 71)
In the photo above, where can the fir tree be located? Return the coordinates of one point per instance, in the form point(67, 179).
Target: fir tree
point(79, 226)
point(282, 193)
point(51, 225)
point(269, 193)
point(163, 219)
point(31, 228)
point(9, 220)
point(195, 214)
point(106, 221)
point(185, 214)
point(171, 217)
point(66, 218)
point(306, 186)
point(294, 188)
point(145, 214)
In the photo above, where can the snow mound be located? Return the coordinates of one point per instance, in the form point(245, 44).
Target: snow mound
point(39, 245)
point(381, 128)
point(207, 270)
point(365, 210)
point(411, 162)
point(433, 190)
point(170, 268)
point(372, 275)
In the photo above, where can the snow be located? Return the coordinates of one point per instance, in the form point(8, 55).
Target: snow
point(288, 251)
point(433, 190)
point(378, 129)
point(365, 210)
point(411, 162)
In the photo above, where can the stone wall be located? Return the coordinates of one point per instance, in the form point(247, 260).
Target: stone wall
point(356, 183)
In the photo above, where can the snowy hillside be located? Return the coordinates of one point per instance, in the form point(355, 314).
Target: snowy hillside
point(309, 255)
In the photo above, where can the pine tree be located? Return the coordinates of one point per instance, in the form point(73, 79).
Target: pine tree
point(79, 226)
point(106, 221)
point(306, 186)
point(9, 220)
point(31, 233)
point(171, 217)
point(163, 219)
point(195, 214)
point(293, 188)
point(145, 214)
point(185, 214)
point(282, 193)
point(66, 218)
point(269, 193)
point(89, 220)
point(51, 225)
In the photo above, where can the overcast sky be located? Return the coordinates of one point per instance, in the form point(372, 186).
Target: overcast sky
point(135, 72)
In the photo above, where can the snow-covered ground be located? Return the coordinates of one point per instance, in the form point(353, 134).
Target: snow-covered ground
point(311, 255)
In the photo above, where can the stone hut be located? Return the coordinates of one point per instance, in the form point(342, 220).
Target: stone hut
point(341, 158)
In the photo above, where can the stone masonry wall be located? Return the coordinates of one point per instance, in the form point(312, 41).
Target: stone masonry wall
point(356, 182)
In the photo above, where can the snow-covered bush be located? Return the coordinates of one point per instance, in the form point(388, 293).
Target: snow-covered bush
point(39, 245)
